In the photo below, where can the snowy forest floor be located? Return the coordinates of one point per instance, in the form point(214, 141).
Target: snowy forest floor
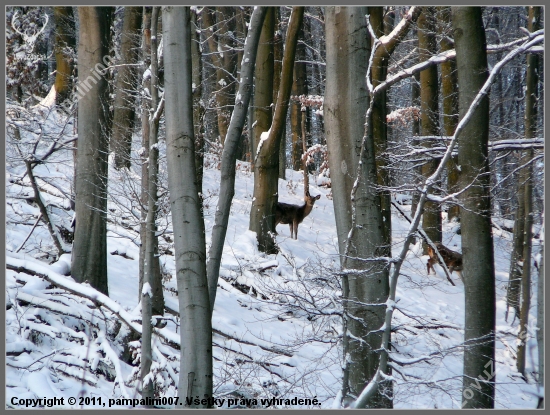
point(276, 318)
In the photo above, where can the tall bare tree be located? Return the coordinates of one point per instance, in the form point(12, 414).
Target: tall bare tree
point(299, 87)
point(152, 299)
point(126, 83)
point(477, 239)
point(89, 256)
point(429, 94)
point(449, 97)
point(356, 199)
point(195, 378)
point(531, 99)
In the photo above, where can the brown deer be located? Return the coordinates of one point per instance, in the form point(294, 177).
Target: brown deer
point(293, 215)
point(452, 259)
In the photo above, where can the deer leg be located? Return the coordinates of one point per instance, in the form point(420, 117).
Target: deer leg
point(291, 226)
point(296, 230)
point(430, 266)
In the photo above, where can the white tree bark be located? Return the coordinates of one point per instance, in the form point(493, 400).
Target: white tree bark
point(188, 224)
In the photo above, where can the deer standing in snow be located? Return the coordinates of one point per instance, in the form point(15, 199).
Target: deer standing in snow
point(293, 215)
point(452, 259)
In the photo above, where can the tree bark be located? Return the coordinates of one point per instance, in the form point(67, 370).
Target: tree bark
point(477, 239)
point(126, 83)
point(266, 166)
point(64, 38)
point(299, 87)
point(263, 92)
point(230, 150)
point(89, 256)
point(152, 299)
point(188, 223)
point(449, 94)
point(148, 129)
point(540, 318)
point(531, 98)
point(429, 120)
point(345, 105)
point(199, 109)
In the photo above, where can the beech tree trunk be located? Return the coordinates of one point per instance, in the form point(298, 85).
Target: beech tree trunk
point(126, 82)
point(345, 105)
point(299, 87)
point(477, 239)
point(449, 94)
point(199, 109)
point(429, 94)
point(89, 255)
point(152, 299)
point(263, 87)
point(195, 377)
point(526, 177)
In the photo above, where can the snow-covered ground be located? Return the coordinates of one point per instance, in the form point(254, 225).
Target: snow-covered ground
point(276, 324)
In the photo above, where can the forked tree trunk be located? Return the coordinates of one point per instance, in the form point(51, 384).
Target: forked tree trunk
point(266, 166)
point(195, 377)
point(477, 239)
point(89, 256)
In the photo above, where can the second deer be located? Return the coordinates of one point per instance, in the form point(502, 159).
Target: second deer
point(452, 259)
point(293, 215)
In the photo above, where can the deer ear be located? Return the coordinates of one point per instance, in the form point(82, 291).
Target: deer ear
point(317, 197)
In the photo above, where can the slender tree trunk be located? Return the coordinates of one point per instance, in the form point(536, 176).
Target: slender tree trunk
point(449, 93)
point(64, 38)
point(516, 258)
point(195, 378)
point(230, 151)
point(126, 82)
point(151, 248)
point(531, 98)
point(146, 125)
point(266, 166)
point(540, 317)
point(89, 256)
point(477, 239)
point(299, 87)
point(429, 94)
point(198, 104)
